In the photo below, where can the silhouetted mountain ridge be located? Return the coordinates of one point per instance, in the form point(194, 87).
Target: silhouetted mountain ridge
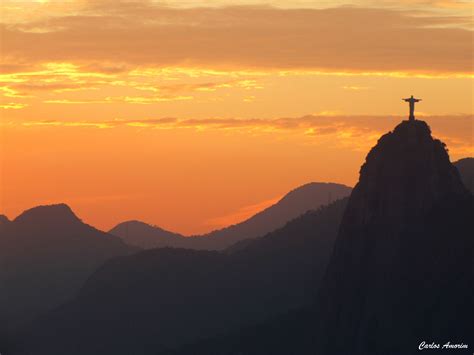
point(307, 197)
point(48, 215)
point(46, 253)
point(165, 297)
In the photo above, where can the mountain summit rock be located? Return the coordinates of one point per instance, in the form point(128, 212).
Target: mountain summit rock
point(401, 271)
point(404, 175)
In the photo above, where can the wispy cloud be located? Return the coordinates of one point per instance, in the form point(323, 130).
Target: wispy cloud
point(351, 132)
point(138, 86)
point(355, 88)
point(142, 100)
point(12, 105)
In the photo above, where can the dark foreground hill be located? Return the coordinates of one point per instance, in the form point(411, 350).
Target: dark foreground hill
point(402, 268)
point(46, 254)
point(298, 201)
point(163, 298)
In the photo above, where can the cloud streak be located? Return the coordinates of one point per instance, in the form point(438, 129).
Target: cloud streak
point(351, 132)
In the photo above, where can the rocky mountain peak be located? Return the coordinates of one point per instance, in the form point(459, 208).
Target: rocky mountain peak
point(404, 175)
point(403, 253)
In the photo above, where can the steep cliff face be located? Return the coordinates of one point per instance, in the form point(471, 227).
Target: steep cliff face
point(402, 268)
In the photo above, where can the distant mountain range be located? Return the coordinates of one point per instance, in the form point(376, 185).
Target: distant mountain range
point(261, 294)
point(46, 254)
point(298, 201)
point(49, 250)
point(304, 198)
point(160, 298)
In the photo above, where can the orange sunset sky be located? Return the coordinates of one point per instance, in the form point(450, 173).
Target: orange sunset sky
point(195, 114)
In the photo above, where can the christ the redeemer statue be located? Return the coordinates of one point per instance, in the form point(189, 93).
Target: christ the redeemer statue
point(412, 101)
